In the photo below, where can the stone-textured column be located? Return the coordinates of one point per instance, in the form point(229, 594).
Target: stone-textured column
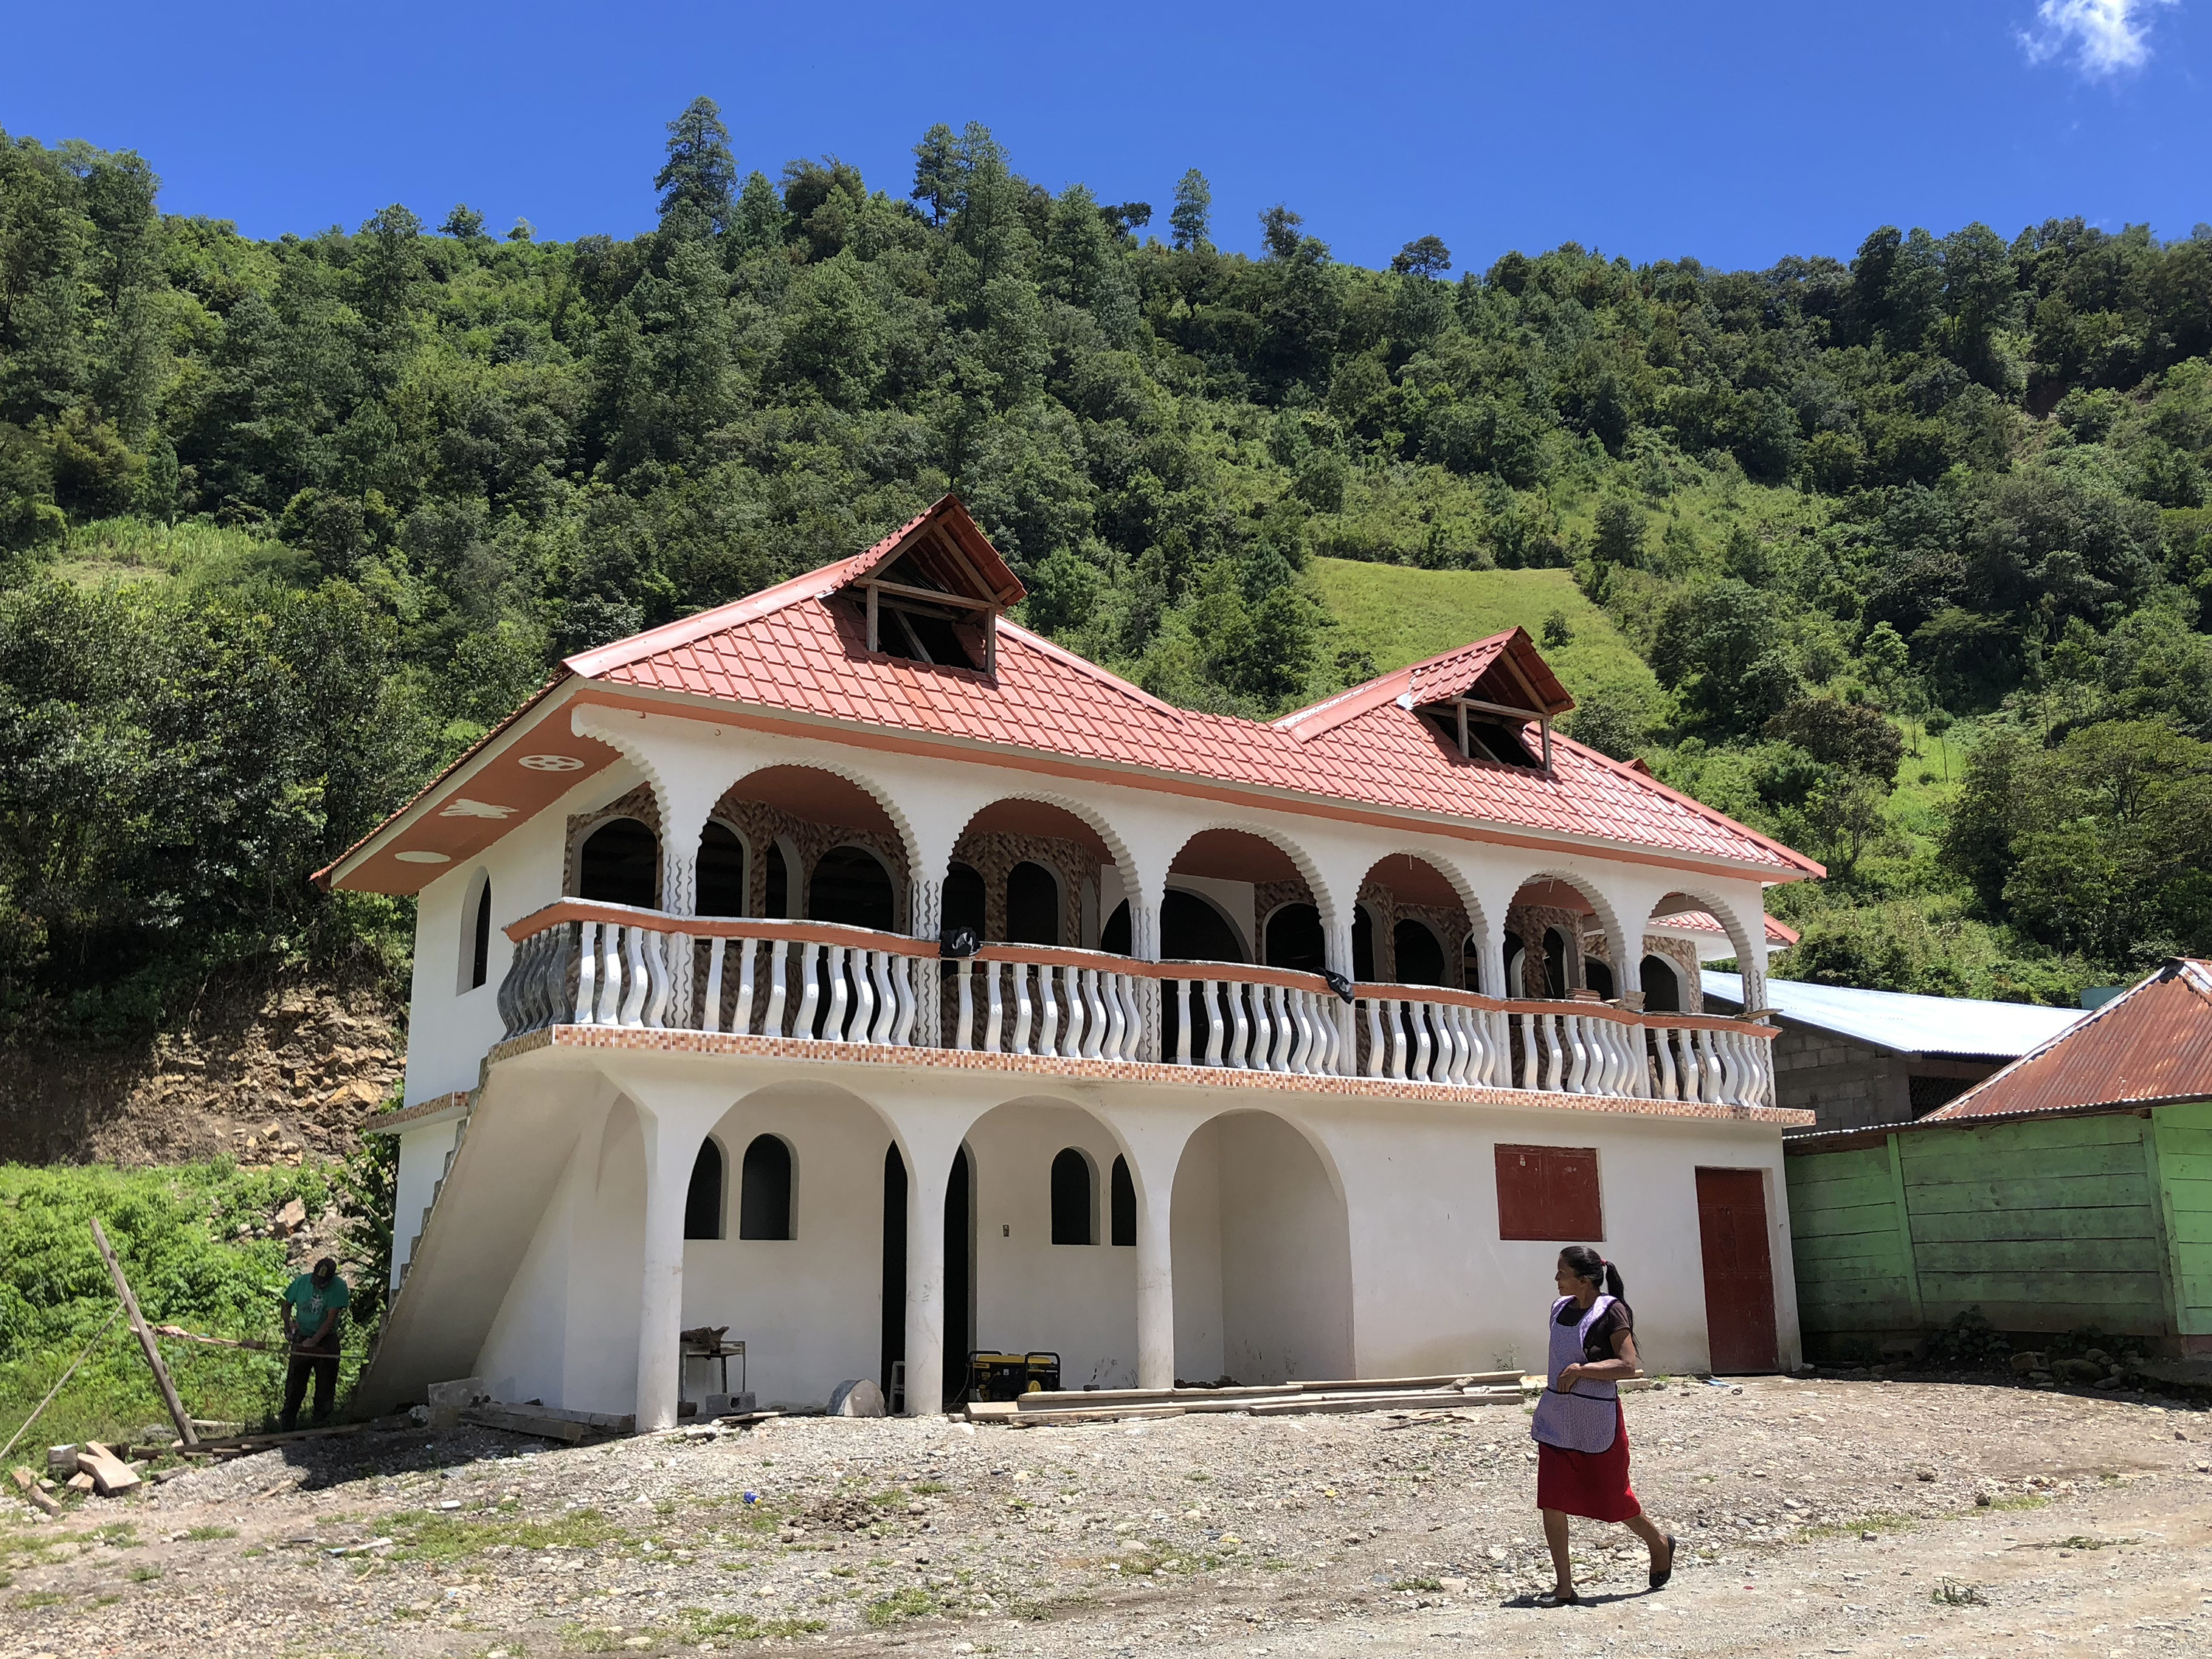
point(926, 1177)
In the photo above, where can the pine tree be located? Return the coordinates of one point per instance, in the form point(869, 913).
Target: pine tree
point(938, 175)
point(700, 175)
point(1194, 207)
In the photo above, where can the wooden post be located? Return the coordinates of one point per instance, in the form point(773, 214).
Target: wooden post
point(178, 1414)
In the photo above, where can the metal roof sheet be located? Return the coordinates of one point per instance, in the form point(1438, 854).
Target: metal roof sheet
point(1907, 1024)
point(2153, 1042)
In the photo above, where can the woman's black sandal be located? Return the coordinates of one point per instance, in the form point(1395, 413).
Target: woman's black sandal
point(1661, 1575)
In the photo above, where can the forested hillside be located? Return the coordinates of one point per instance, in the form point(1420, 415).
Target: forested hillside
point(1915, 547)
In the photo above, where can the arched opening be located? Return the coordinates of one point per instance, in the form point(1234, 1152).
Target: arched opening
point(1039, 1166)
point(1558, 923)
point(720, 882)
point(1033, 905)
point(962, 905)
point(702, 1200)
point(1555, 963)
point(894, 1276)
point(1517, 967)
point(1262, 1256)
point(1420, 954)
point(1470, 965)
point(1294, 939)
point(776, 881)
point(1074, 1199)
point(764, 1208)
point(959, 1276)
point(1124, 1203)
point(1226, 867)
point(1114, 937)
point(1663, 990)
point(1192, 929)
point(476, 949)
point(1597, 976)
point(850, 885)
point(619, 863)
point(1687, 932)
point(1363, 943)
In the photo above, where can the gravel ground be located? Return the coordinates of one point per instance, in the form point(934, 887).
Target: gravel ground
point(1815, 1516)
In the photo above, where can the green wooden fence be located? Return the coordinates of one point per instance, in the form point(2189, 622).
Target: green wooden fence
point(2043, 1223)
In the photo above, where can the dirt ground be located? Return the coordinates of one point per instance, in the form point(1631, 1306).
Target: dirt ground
point(1815, 1516)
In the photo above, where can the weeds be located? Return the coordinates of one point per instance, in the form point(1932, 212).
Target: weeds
point(910, 1603)
point(35, 1599)
point(145, 1575)
point(1865, 1523)
point(209, 1535)
point(446, 1535)
point(1952, 1594)
point(1416, 1584)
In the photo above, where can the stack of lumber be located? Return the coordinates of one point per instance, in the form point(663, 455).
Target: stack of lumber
point(548, 1422)
point(1273, 1400)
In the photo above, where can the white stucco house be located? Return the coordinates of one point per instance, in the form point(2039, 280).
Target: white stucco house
point(853, 969)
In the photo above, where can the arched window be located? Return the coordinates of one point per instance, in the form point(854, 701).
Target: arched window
point(1114, 937)
point(702, 1203)
point(1555, 963)
point(775, 871)
point(1363, 943)
point(1420, 957)
point(1517, 966)
point(765, 1190)
point(851, 885)
point(1470, 964)
point(1597, 976)
point(1662, 991)
point(1192, 930)
point(1075, 1200)
point(720, 887)
point(619, 863)
point(476, 949)
point(1294, 939)
point(1124, 1203)
point(963, 904)
point(1032, 905)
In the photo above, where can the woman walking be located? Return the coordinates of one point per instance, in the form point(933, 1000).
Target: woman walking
point(1581, 1435)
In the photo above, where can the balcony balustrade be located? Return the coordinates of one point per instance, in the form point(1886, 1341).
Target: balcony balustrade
point(583, 963)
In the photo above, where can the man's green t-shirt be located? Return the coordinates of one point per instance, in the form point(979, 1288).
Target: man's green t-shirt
point(310, 1302)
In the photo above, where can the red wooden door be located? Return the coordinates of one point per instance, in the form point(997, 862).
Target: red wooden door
point(1739, 1271)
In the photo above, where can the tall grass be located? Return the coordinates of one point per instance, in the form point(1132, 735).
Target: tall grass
point(178, 1232)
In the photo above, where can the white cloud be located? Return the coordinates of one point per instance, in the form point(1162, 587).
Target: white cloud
point(2104, 37)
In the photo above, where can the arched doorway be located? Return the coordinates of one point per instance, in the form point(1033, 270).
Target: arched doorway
point(1663, 988)
point(1409, 908)
point(1262, 1256)
point(851, 885)
point(1295, 940)
point(719, 877)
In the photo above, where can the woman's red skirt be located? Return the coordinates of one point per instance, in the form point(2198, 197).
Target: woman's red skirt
point(1593, 1484)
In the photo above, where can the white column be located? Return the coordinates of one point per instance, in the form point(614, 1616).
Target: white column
point(926, 1178)
point(1156, 1320)
point(1336, 934)
point(669, 1153)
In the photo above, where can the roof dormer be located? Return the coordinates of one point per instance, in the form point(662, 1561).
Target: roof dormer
point(934, 592)
point(1481, 699)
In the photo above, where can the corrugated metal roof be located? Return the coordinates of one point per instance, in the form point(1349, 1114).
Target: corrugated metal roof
point(1909, 1024)
point(2153, 1043)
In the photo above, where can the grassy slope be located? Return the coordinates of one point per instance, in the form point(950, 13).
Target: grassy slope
point(1399, 615)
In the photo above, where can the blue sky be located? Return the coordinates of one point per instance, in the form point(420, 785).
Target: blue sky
point(1735, 132)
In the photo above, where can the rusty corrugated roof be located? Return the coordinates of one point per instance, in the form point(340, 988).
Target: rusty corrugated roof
point(2152, 1043)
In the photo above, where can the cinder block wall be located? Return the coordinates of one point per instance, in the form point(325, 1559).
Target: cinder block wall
point(1849, 1085)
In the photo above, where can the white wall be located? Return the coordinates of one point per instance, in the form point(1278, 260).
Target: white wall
point(1078, 1301)
point(808, 1309)
point(423, 1151)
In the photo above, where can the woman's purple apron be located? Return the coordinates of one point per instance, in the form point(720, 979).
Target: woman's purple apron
point(1585, 1418)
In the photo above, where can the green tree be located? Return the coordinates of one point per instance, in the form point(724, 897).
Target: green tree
point(698, 181)
point(1191, 219)
point(1425, 256)
point(940, 175)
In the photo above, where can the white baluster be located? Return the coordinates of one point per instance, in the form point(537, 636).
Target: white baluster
point(778, 952)
point(587, 972)
point(1254, 1055)
point(807, 966)
point(994, 1000)
point(1285, 1034)
point(635, 989)
point(1666, 1085)
point(1186, 1003)
point(901, 972)
point(1023, 1007)
point(741, 1017)
point(840, 995)
point(609, 1011)
point(1048, 1007)
point(1606, 1067)
point(710, 1016)
point(653, 949)
point(1133, 1017)
point(1217, 1023)
point(1458, 1030)
point(1300, 1059)
point(1732, 1088)
point(872, 1015)
point(1379, 1054)
point(1555, 1058)
point(963, 974)
point(879, 974)
point(1083, 989)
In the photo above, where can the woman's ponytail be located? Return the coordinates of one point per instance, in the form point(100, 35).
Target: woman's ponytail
point(1585, 1263)
point(1613, 1288)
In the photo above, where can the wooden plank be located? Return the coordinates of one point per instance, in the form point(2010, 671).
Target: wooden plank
point(525, 1422)
point(1320, 1404)
point(2181, 1140)
point(2169, 1265)
point(178, 1414)
point(2087, 1289)
point(1904, 1203)
point(2118, 1159)
point(2187, 1115)
point(1877, 1217)
point(110, 1474)
point(2031, 1135)
point(2057, 1193)
point(2117, 1319)
point(27, 1482)
point(2033, 1257)
point(1870, 1252)
point(1871, 1187)
point(1974, 1226)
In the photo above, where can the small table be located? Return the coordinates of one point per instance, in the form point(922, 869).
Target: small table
point(722, 1351)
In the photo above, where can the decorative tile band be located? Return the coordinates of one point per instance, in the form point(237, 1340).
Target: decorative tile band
point(637, 1040)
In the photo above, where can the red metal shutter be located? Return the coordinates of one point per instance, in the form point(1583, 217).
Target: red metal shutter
point(1549, 1193)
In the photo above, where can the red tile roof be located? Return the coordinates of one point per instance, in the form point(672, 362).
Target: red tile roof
point(2152, 1043)
point(790, 647)
point(1705, 922)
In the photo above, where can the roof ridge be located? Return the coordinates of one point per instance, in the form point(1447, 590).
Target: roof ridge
point(1380, 687)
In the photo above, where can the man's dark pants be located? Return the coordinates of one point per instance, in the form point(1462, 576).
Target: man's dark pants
point(325, 1369)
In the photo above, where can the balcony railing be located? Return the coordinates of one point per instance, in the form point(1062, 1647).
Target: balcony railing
point(583, 963)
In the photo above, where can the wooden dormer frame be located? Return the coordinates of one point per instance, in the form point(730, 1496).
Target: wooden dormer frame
point(1464, 706)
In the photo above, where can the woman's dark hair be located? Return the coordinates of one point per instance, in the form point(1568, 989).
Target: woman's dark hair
point(1584, 1262)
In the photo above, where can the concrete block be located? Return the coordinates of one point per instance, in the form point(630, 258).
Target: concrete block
point(447, 1401)
point(727, 1405)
